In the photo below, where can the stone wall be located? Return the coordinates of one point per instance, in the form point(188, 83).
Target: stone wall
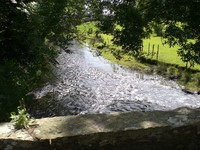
point(178, 129)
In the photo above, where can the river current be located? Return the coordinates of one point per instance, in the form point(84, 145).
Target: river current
point(87, 83)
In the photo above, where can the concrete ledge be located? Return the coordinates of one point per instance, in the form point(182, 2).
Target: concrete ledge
point(178, 129)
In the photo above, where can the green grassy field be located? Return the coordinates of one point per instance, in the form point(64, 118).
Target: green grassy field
point(166, 54)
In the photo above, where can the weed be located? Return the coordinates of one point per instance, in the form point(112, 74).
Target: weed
point(196, 79)
point(22, 119)
point(172, 72)
point(161, 69)
point(186, 76)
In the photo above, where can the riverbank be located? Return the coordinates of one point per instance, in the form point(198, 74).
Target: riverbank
point(165, 63)
point(188, 79)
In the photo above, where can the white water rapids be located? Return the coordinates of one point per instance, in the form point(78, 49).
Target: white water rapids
point(90, 84)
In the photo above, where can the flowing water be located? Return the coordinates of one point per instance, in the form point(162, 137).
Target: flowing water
point(90, 84)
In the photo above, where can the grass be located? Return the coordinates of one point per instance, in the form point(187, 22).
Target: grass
point(166, 54)
point(126, 61)
point(168, 63)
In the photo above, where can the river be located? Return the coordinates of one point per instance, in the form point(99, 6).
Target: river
point(90, 84)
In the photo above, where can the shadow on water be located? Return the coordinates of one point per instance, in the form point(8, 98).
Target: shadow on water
point(87, 83)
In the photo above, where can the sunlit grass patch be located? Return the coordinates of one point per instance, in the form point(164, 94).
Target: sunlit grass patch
point(126, 61)
point(166, 53)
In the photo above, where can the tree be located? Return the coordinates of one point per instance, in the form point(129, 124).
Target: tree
point(180, 20)
point(29, 33)
point(121, 13)
point(131, 34)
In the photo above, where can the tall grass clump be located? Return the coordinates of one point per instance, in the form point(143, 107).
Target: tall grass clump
point(173, 72)
point(196, 79)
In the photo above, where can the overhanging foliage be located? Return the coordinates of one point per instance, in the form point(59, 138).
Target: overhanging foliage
point(180, 19)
